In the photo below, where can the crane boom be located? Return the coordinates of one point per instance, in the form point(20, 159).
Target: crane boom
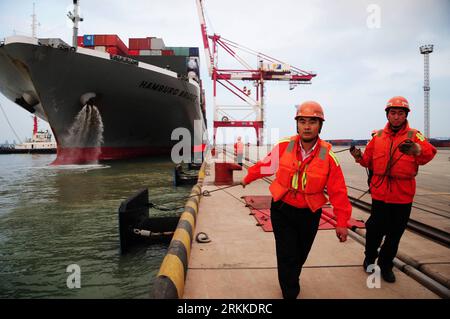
point(268, 69)
point(201, 15)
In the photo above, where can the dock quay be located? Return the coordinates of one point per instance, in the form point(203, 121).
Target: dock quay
point(238, 260)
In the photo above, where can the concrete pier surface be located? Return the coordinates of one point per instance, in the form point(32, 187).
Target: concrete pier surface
point(240, 260)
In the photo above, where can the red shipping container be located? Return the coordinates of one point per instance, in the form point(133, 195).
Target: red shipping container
point(166, 52)
point(123, 50)
point(80, 41)
point(111, 40)
point(133, 52)
point(139, 43)
point(122, 47)
point(145, 43)
point(116, 51)
point(99, 40)
point(106, 40)
point(112, 50)
point(133, 44)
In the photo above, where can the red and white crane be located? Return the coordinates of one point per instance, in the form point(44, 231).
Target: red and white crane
point(268, 69)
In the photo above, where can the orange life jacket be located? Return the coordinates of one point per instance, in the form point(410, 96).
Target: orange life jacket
point(386, 153)
point(239, 147)
point(314, 174)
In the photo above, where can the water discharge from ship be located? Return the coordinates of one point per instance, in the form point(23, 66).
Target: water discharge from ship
point(82, 144)
point(87, 129)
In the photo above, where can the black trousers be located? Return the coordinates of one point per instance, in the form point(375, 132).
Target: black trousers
point(239, 158)
point(294, 230)
point(388, 221)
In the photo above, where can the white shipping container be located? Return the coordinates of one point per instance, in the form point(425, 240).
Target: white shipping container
point(157, 44)
point(100, 48)
point(150, 52)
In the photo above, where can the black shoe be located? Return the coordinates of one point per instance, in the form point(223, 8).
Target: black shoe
point(388, 275)
point(366, 264)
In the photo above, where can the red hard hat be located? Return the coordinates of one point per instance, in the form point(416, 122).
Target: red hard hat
point(398, 101)
point(310, 109)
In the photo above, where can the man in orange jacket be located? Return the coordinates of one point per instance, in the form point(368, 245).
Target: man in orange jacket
point(239, 150)
point(304, 166)
point(394, 154)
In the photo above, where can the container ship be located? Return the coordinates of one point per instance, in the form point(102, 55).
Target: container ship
point(104, 100)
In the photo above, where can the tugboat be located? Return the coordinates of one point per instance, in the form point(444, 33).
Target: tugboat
point(40, 143)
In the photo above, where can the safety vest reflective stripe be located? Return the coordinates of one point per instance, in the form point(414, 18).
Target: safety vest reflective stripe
point(420, 137)
point(333, 156)
point(323, 153)
point(304, 178)
point(410, 134)
point(294, 182)
point(313, 176)
point(283, 140)
point(290, 146)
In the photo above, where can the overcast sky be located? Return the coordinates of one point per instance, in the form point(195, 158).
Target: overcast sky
point(360, 61)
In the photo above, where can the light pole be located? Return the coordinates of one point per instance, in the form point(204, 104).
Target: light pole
point(426, 50)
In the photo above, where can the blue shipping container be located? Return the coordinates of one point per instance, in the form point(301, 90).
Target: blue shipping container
point(193, 51)
point(88, 40)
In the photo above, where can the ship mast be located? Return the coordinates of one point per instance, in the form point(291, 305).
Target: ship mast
point(35, 125)
point(75, 17)
point(34, 23)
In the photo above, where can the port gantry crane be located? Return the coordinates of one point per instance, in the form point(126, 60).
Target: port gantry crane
point(268, 69)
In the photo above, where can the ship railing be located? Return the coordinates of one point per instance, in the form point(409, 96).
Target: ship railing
point(124, 59)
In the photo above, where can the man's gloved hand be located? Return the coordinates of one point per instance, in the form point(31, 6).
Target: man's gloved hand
point(408, 147)
point(356, 152)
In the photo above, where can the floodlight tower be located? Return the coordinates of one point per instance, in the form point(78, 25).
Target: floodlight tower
point(426, 50)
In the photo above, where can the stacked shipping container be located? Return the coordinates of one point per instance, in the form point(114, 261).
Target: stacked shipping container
point(184, 51)
point(149, 50)
point(110, 43)
point(147, 46)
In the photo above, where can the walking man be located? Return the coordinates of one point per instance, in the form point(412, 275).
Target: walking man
point(304, 166)
point(394, 154)
point(239, 150)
